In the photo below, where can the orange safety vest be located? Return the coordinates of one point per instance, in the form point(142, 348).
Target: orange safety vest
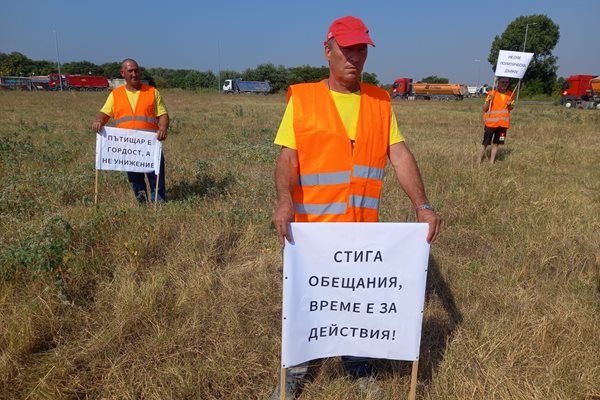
point(144, 116)
point(498, 114)
point(339, 182)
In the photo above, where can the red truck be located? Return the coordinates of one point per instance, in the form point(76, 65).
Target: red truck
point(78, 82)
point(582, 91)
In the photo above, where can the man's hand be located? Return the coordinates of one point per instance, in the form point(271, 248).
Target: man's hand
point(434, 221)
point(161, 134)
point(284, 214)
point(96, 126)
point(101, 120)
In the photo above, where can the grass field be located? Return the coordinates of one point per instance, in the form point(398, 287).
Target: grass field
point(118, 302)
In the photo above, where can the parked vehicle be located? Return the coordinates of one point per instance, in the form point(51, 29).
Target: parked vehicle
point(405, 88)
point(581, 91)
point(15, 83)
point(41, 82)
point(477, 91)
point(240, 86)
point(116, 82)
point(78, 82)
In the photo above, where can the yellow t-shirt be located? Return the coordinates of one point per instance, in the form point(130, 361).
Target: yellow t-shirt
point(159, 104)
point(348, 105)
point(489, 96)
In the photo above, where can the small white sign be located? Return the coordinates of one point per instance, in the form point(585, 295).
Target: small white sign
point(354, 289)
point(513, 64)
point(128, 150)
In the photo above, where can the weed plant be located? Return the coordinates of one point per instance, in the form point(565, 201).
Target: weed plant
point(115, 301)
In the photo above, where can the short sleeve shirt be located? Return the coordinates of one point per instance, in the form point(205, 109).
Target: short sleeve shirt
point(348, 105)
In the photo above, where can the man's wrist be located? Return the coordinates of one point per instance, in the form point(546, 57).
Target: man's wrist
point(424, 206)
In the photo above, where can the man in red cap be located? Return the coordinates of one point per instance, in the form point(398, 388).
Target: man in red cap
point(336, 137)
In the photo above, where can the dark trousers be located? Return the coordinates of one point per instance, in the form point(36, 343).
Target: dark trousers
point(356, 367)
point(138, 184)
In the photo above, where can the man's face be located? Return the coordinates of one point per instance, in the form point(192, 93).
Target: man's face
point(131, 72)
point(346, 63)
point(502, 85)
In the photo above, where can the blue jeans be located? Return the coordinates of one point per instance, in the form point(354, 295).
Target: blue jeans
point(138, 184)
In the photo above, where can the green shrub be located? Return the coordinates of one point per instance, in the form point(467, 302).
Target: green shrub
point(41, 253)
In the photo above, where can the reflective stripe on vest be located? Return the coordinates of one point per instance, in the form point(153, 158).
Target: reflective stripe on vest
point(337, 208)
point(334, 178)
point(504, 111)
point(325, 178)
point(134, 118)
point(321, 209)
point(366, 202)
point(362, 171)
point(339, 182)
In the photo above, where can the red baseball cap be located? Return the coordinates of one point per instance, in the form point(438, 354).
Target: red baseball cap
point(349, 31)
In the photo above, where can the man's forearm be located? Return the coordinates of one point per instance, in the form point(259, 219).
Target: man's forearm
point(163, 122)
point(286, 178)
point(286, 175)
point(410, 180)
point(163, 126)
point(407, 172)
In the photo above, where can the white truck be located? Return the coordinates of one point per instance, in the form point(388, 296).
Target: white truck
point(240, 86)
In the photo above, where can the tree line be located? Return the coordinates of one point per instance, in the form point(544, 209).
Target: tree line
point(17, 64)
point(537, 34)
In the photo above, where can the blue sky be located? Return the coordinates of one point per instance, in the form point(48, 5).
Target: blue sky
point(413, 38)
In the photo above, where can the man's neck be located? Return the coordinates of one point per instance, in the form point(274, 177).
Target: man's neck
point(132, 88)
point(342, 87)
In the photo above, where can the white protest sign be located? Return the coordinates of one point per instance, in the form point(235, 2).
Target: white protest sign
point(128, 150)
point(353, 289)
point(513, 64)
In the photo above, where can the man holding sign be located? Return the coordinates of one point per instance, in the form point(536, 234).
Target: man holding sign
point(137, 106)
point(336, 137)
point(496, 116)
point(500, 102)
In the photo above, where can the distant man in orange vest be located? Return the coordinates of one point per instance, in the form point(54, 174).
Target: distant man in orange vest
point(137, 106)
point(496, 116)
point(336, 137)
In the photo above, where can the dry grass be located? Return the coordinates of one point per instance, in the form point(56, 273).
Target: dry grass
point(116, 302)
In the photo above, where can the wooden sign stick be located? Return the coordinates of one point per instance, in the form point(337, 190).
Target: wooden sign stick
point(96, 190)
point(412, 394)
point(156, 192)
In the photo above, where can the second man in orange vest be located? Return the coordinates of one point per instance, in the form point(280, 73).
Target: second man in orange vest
point(496, 116)
point(137, 106)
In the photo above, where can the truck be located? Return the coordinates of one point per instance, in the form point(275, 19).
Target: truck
point(40, 82)
point(78, 82)
point(240, 86)
point(406, 89)
point(15, 83)
point(581, 91)
point(477, 91)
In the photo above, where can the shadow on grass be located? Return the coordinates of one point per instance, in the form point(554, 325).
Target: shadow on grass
point(503, 153)
point(437, 329)
point(204, 184)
